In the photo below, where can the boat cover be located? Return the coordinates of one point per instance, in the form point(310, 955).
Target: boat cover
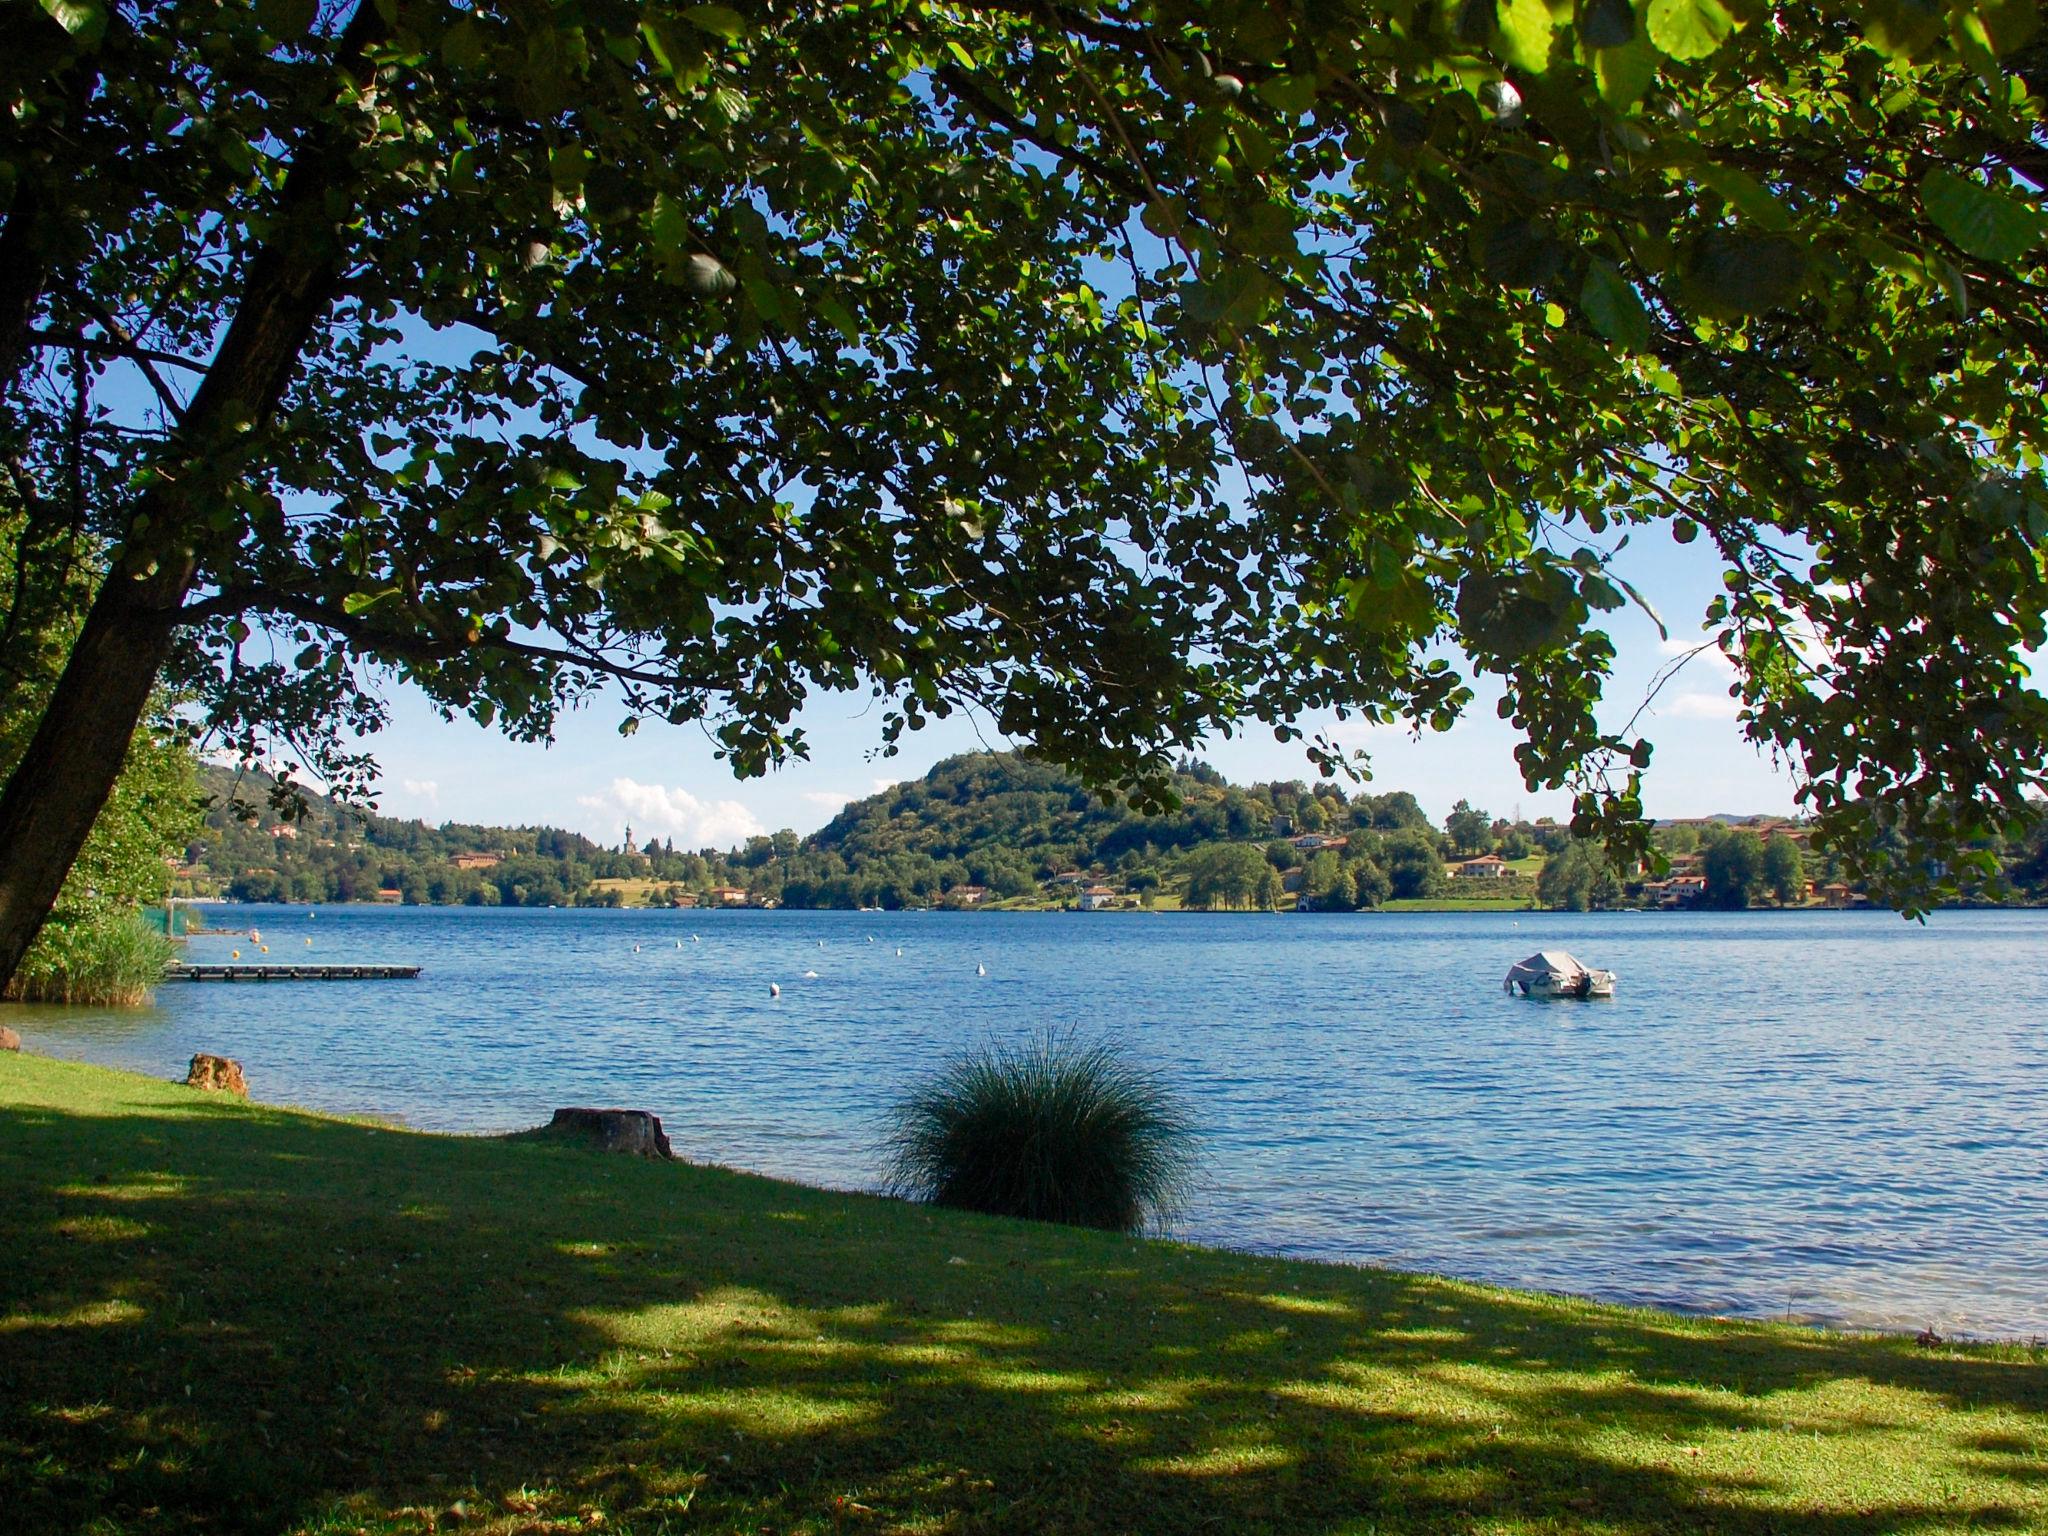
point(1547, 962)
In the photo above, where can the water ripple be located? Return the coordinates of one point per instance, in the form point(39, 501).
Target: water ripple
point(1779, 1114)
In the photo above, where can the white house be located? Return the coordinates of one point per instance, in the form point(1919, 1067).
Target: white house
point(1489, 867)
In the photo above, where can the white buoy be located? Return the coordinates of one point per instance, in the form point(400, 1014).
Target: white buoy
point(810, 975)
point(899, 951)
point(980, 969)
point(636, 949)
point(821, 943)
point(774, 990)
point(309, 943)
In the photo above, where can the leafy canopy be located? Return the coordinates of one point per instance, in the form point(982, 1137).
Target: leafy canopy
point(1124, 371)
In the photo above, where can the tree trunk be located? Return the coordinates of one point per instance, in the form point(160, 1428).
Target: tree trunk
point(62, 782)
point(60, 786)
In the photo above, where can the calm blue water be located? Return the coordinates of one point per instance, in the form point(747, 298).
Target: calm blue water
point(1835, 1115)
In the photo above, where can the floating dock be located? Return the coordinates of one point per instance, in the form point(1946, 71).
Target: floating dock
point(291, 973)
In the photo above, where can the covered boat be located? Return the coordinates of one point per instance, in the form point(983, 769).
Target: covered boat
point(1553, 973)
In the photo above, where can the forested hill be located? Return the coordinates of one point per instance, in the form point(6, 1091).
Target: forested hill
point(992, 828)
point(994, 822)
point(1007, 821)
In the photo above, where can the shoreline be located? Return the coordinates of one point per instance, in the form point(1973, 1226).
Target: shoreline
point(230, 1314)
point(1815, 1323)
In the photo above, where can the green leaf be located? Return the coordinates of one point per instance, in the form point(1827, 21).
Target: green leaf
point(358, 602)
point(1625, 72)
point(708, 277)
point(287, 18)
point(841, 318)
point(1902, 29)
point(462, 45)
point(1750, 196)
point(566, 167)
point(960, 55)
point(1991, 225)
point(669, 225)
point(1607, 23)
point(1526, 31)
point(1689, 29)
point(719, 20)
point(1613, 306)
point(1292, 94)
point(2007, 24)
point(1730, 272)
point(85, 20)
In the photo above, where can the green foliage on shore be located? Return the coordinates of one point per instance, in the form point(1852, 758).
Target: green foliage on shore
point(1001, 821)
point(1007, 824)
point(96, 948)
point(224, 1318)
point(110, 958)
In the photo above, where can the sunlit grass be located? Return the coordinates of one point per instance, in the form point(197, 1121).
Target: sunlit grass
point(221, 1317)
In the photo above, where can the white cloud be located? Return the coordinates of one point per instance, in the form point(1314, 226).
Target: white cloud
point(830, 799)
point(1712, 659)
point(882, 784)
point(1701, 706)
point(656, 810)
point(422, 789)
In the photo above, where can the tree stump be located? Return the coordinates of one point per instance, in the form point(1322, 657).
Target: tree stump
point(217, 1074)
point(632, 1131)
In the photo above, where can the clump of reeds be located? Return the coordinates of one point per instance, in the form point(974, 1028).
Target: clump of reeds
point(1052, 1129)
point(110, 959)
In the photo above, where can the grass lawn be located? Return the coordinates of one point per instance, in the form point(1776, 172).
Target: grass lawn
point(218, 1317)
point(634, 891)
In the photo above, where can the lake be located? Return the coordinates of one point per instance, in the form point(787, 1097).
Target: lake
point(1827, 1115)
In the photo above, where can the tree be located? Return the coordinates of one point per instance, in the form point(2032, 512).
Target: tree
point(1784, 870)
point(1470, 831)
point(1579, 878)
point(716, 355)
point(1733, 864)
point(1328, 885)
point(1225, 875)
point(1369, 883)
point(95, 948)
point(1414, 868)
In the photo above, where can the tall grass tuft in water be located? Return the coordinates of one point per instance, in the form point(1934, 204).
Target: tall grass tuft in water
point(110, 959)
point(1051, 1130)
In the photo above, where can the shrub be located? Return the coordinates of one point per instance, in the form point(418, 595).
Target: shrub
point(1051, 1130)
point(104, 959)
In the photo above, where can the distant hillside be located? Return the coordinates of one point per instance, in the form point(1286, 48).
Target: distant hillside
point(1006, 824)
point(250, 853)
point(1000, 828)
point(989, 826)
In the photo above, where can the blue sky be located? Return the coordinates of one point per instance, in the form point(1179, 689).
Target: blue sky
point(667, 781)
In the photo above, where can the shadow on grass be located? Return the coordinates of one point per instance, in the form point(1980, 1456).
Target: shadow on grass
point(219, 1318)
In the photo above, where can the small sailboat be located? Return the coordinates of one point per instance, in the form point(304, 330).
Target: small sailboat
point(980, 969)
point(1554, 973)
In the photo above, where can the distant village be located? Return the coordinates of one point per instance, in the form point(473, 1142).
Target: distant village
point(995, 832)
